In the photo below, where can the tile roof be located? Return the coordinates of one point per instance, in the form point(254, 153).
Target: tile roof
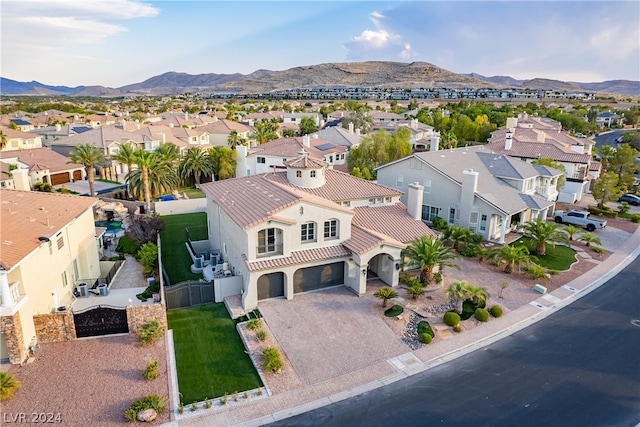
point(290, 148)
point(27, 215)
point(42, 158)
point(102, 137)
point(250, 200)
point(299, 257)
point(535, 202)
point(341, 186)
point(339, 136)
point(225, 126)
point(306, 162)
point(361, 240)
point(391, 220)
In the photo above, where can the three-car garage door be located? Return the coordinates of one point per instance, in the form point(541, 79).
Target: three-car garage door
point(322, 276)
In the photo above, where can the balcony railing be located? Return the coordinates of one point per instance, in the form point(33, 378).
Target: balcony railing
point(269, 250)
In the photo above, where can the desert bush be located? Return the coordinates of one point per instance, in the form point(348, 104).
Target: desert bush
point(425, 328)
point(451, 318)
point(150, 332)
point(536, 271)
point(425, 338)
point(415, 291)
point(394, 311)
point(152, 401)
point(635, 218)
point(151, 372)
point(598, 250)
point(481, 315)
point(272, 361)
point(8, 385)
point(261, 335)
point(496, 311)
point(470, 251)
point(254, 324)
point(457, 328)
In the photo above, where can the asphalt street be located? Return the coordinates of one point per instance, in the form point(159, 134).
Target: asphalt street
point(578, 367)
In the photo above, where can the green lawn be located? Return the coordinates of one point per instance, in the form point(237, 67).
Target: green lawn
point(210, 356)
point(192, 193)
point(175, 256)
point(558, 257)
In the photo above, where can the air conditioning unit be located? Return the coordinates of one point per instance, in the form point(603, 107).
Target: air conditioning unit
point(83, 289)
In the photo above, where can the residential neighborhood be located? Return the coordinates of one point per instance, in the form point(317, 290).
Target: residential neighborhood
point(118, 226)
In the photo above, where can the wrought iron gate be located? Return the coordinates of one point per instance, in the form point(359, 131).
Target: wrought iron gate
point(101, 320)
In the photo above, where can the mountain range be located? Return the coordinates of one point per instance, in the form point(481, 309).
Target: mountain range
point(347, 74)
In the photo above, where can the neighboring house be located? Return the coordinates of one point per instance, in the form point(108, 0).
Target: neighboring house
point(308, 227)
point(19, 140)
point(220, 130)
point(530, 138)
point(273, 155)
point(48, 243)
point(252, 118)
point(607, 119)
point(338, 135)
point(183, 138)
point(43, 165)
point(382, 118)
point(296, 118)
point(22, 124)
point(476, 188)
point(6, 176)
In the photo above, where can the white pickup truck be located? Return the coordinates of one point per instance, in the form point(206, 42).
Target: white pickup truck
point(580, 218)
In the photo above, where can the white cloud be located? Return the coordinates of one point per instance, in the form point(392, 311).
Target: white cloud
point(378, 44)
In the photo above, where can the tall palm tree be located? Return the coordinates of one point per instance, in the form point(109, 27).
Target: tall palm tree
point(235, 139)
point(154, 175)
point(195, 162)
point(89, 156)
point(429, 252)
point(224, 161)
point(543, 233)
point(265, 131)
point(125, 155)
point(513, 256)
point(169, 152)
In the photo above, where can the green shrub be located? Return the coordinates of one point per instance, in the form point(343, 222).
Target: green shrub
point(405, 278)
point(437, 277)
point(481, 314)
point(451, 318)
point(207, 403)
point(223, 399)
point(598, 250)
point(635, 218)
point(536, 271)
point(469, 308)
point(151, 372)
point(607, 213)
point(496, 311)
point(440, 224)
point(470, 251)
point(394, 311)
point(425, 338)
point(127, 246)
point(261, 335)
point(425, 328)
point(150, 332)
point(457, 328)
point(415, 291)
point(554, 272)
point(8, 385)
point(272, 361)
point(153, 401)
point(254, 324)
point(235, 396)
point(194, 407)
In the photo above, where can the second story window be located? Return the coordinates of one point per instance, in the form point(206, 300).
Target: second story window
point(260, 160)
point(298, 174)
point(308, 232)
point(267, 240)
point(399, 181)
point(331, 229)
point(313, 174)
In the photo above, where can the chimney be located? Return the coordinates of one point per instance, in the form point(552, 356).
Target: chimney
point(315, 136)
point(414, 200)
point(163, 136)
point(508, 139)
point(414, 124)
point(512, 122)
point(469, 188)
point(351, 127)
point(21, 179)
point(58, 127)
point(358, 131)
point(434, 142)
point(306, 141)
point(541, 136)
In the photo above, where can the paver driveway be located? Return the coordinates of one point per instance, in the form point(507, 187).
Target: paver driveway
point(331, 332)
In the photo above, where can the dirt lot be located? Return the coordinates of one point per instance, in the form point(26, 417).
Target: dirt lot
point(89, 382)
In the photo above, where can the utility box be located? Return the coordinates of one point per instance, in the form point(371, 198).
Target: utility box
point(540, 289)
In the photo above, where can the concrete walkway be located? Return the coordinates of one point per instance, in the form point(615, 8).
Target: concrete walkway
point(381, 372)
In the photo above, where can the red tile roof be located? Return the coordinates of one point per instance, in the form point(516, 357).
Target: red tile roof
point(299, 257)
point(392, 221)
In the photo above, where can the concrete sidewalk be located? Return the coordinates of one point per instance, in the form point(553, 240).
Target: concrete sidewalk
point(300, 400)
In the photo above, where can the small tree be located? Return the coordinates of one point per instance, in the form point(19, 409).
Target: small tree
point(543, 233)
point(590, 239)
point(606, 189)
point(385, 294)
point(572, 230)
point(415, 291)
point(513, 256)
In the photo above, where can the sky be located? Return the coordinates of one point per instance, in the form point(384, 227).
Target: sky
point(114, 43)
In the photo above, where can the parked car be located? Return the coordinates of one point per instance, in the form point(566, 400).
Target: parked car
point(580, 135)
point(632, 199)
point(581, 218)
point(618, 140)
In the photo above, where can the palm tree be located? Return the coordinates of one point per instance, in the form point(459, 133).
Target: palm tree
point(235, 139)
point(224, 161)
point(606, 153)
point(459, 291)
point(3, 140)
point(457, 235)
point(589, 239)
point(572, 230)
point(385, 294)
point(89, 156)
point(265, 131)
point(543, 233)
point(514, 256)
point(169, 152)
point(429, 252)
point(125, 155)
point(154, 175)
point(195, 162)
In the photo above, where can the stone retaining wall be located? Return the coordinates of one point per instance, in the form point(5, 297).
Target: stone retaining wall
point(12, 330)
point(138, 315)
point(55, 327)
